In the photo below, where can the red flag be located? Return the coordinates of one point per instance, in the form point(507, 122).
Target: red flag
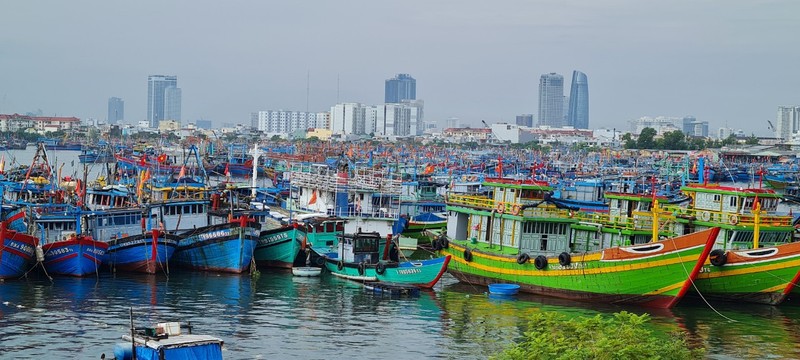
point(313, 199)
point(227, 170)
point(755, 203)
point(183, 172)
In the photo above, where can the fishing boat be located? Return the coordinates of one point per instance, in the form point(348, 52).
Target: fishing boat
point(17, 252)
point(366, 257)
point(226, 247)
point(167, 341)
point(67, 249)
point(278, 247)
point(755, 256)
point(514, 236)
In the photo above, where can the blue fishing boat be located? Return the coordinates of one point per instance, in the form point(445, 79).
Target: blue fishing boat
point(57, 144)
point(167, 341)
point(225, 247)
point(68, 251)
point(17, 252)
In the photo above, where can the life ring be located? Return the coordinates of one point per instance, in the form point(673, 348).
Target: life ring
point(362, 268)
point(540, 262)
point(515, 209)
point(564, 259)
point(733, 219)
point(523, 258)
point(718, 257)
point(380, 268)
point(501, 207)
point(467, 255)
point(320, 261)
point(705, 215)
point(340, 265)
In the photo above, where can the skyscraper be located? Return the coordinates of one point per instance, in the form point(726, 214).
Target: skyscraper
point(525, 120)
point(401, 87)
point(157, 107)
point(551, 100)
point(116, 110)
point(579, 101)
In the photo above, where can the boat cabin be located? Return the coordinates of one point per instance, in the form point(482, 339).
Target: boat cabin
point(360, 247)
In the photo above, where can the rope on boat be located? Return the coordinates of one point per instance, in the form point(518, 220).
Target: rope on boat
point(695, 285)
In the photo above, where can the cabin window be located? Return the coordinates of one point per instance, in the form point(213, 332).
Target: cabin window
point(329, 227)
point(733, 201)
point(717, 198)
point(365, 245)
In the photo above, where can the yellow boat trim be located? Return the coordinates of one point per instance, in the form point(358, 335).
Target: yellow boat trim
point(666, 288)
point(575, 257)
point(573, 272)
point(748, 270)
point(776, 288)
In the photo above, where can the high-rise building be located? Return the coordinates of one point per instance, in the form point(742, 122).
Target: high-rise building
point(401, 87)
point(688, 124)
point(172, 104)
point(157, 110)
point(287, 122)
point(578, 114)
point(525, 120)
point(116, 110)
point(788, 122)
point(551, 100)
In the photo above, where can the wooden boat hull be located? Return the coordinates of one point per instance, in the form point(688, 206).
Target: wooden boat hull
point(143, 253)
point(16, 253)
point(424, 273)
point(278, 247)
point(224, 248)
point(763, 276)
point(654, 274)
point(80, 256)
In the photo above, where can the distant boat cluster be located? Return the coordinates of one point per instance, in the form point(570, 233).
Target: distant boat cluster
point(600, 227)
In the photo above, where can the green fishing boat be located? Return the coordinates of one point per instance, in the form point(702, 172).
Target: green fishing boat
point(755, 256)
point(514, 236)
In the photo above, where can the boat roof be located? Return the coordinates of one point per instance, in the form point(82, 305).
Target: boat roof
point(175, 341)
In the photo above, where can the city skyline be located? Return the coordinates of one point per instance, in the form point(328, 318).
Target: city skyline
point(468, 68)
point(163, 99)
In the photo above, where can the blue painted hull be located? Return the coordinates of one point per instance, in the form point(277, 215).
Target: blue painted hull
point(135, 253)
point(224, 248)
point(74, 257)
point(16, 254)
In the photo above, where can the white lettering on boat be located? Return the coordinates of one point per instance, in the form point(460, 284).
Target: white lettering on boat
point(408, 271)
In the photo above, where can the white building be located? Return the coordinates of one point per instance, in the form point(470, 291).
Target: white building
point(287, 122)
point(348, 118)
point(661, 124)
point(787, 122)
point(512, 133)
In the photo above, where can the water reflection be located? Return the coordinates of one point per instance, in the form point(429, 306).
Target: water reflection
point(278, 315)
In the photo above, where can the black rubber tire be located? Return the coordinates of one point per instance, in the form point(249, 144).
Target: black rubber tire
point(320, 261)
point(362, 268)
point(467, 255)
point(523, 258)
point(437, 245)
point(540, 262)
point(564, 259)
point(380, 268)
point(443, 243)
point(340, 265)
point(718, 257)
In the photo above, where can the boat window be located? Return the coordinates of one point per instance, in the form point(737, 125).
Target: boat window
point(717, 197)
point(365, 245)
point(733, 201)
point(329, 227)
point(339, 226)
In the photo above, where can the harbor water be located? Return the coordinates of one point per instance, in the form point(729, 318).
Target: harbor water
point(277, 315)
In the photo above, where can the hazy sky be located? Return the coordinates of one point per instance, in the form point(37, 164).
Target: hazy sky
point(726, 62)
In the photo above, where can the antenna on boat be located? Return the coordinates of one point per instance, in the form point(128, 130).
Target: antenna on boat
point(133, 335)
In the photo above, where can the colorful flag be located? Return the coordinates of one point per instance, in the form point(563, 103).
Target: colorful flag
point(227, 170)
point(313, 199)
point(183, 172)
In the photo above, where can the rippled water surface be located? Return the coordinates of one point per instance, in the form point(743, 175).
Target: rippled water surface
point(278, 315)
